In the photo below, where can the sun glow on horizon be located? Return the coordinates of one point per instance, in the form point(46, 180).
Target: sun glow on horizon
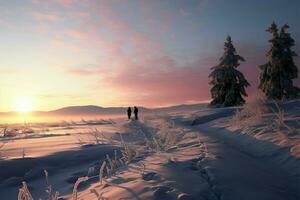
point(23, 104)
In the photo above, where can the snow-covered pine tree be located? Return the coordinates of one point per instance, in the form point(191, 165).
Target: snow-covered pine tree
point(228, 84)
point(291, 70)
point(277, 74)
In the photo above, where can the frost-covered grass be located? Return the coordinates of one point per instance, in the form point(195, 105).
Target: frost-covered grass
point(273, 119)
point(251, 113)
point(154, 142)
point(108, 167)
point(270, 120)
point(24, 193)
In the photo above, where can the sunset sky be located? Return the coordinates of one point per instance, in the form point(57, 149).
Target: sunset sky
point(56, 53)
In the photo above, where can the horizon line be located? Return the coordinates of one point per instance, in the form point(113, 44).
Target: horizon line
point(141, 106)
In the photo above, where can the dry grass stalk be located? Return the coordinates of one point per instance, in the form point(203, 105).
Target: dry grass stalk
point(101, 172)
point(75, 188)
point(24, 193)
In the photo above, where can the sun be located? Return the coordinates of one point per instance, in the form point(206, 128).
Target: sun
point(23, 104)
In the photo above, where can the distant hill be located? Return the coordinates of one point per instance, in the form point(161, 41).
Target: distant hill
point(90, 110)
point(182, 107)
point(98, 110)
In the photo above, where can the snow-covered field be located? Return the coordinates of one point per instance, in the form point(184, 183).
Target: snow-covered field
point(210, 154)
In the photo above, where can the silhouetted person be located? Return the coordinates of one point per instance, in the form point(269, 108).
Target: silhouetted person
point(136, 112)
point(129, 112)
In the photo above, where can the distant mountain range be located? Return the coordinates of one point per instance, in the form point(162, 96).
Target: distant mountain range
point(87, 110)
point(98, 110)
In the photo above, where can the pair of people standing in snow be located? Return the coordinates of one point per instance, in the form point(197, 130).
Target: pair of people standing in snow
point(135, 111)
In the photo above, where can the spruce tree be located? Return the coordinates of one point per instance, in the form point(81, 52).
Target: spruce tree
point(228, 84)
point(277, 74)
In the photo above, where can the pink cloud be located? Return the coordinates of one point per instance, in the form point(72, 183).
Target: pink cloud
point(110, 20)
point(144, 72)
point(158, 80)
point(35, 1)
point(161, 82)
point(62, 2)
point(64, 45)
point(131, 63)
point(46, 17)
point(83, 72)
point(82, 14)
point(65, 2)
point(75, 34)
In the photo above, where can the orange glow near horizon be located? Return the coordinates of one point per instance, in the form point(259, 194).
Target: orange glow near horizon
point(23, 104)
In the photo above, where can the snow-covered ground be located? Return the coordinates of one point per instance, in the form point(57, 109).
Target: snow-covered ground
point(208, 154)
